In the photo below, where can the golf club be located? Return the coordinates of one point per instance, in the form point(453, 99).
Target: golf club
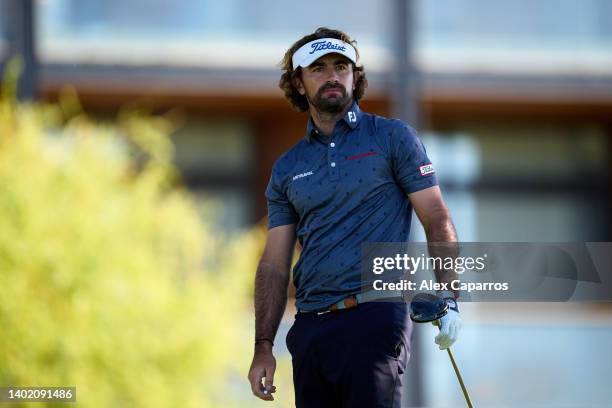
point(426, 307)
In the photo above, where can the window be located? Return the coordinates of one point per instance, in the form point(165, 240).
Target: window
point(3, 33)
point(200, 33)
point(523, 183)
point(216, 158)
point(535, 35)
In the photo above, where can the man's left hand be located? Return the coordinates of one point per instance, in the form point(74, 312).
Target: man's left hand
point(450, 324)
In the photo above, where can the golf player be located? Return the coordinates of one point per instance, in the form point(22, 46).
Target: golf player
point(354, 178)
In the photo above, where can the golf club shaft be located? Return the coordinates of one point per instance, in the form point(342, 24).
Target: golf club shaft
point(465, 393)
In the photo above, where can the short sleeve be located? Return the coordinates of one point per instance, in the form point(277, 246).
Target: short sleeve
point(280, 210)
point(411, 167)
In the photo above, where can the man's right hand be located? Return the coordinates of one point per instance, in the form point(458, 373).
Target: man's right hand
point(263, 366)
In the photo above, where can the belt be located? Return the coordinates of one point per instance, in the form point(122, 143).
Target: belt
point(352, 301)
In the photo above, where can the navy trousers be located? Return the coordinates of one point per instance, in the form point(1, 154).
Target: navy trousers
point(351, 358)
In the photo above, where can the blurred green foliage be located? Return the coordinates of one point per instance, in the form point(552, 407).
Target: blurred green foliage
point(110, 281)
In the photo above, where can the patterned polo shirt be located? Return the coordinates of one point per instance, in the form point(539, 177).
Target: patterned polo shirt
point(341, 192)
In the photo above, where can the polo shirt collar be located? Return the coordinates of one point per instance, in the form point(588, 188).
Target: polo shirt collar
point(351, 118)
point(310, 130)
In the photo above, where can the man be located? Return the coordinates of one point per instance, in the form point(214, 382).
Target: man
point(354, 178)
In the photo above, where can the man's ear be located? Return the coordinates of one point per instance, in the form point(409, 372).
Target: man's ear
point(297, 82)
point(355, 79)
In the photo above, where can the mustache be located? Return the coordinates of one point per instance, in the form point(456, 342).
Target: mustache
point(332, 86)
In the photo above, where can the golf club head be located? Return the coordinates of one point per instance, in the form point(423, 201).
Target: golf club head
point(425, 308)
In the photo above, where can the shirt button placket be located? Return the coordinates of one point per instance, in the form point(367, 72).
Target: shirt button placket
point(334, 174)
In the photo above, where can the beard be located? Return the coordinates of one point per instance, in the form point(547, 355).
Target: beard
point(330, 104)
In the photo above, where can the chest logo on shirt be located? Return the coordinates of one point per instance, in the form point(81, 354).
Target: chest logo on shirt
point(427, 169)
point(301, 175)
point(352, 117)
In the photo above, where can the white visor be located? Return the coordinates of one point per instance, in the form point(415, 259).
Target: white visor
point(309, 53)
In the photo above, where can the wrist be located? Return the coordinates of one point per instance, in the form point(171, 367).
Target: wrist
point(264, 344)
point(448, 294)
point(452, 304)
point(449, 298)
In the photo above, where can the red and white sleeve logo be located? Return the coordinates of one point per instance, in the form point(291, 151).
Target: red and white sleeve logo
point(427, 169)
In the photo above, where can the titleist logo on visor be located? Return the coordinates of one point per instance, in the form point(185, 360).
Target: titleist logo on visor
point(325, 45)
point(309, 52)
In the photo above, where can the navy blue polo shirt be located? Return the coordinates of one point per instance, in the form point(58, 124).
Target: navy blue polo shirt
point(344, 191)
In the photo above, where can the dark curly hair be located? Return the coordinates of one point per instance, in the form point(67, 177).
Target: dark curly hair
point(287, 80)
